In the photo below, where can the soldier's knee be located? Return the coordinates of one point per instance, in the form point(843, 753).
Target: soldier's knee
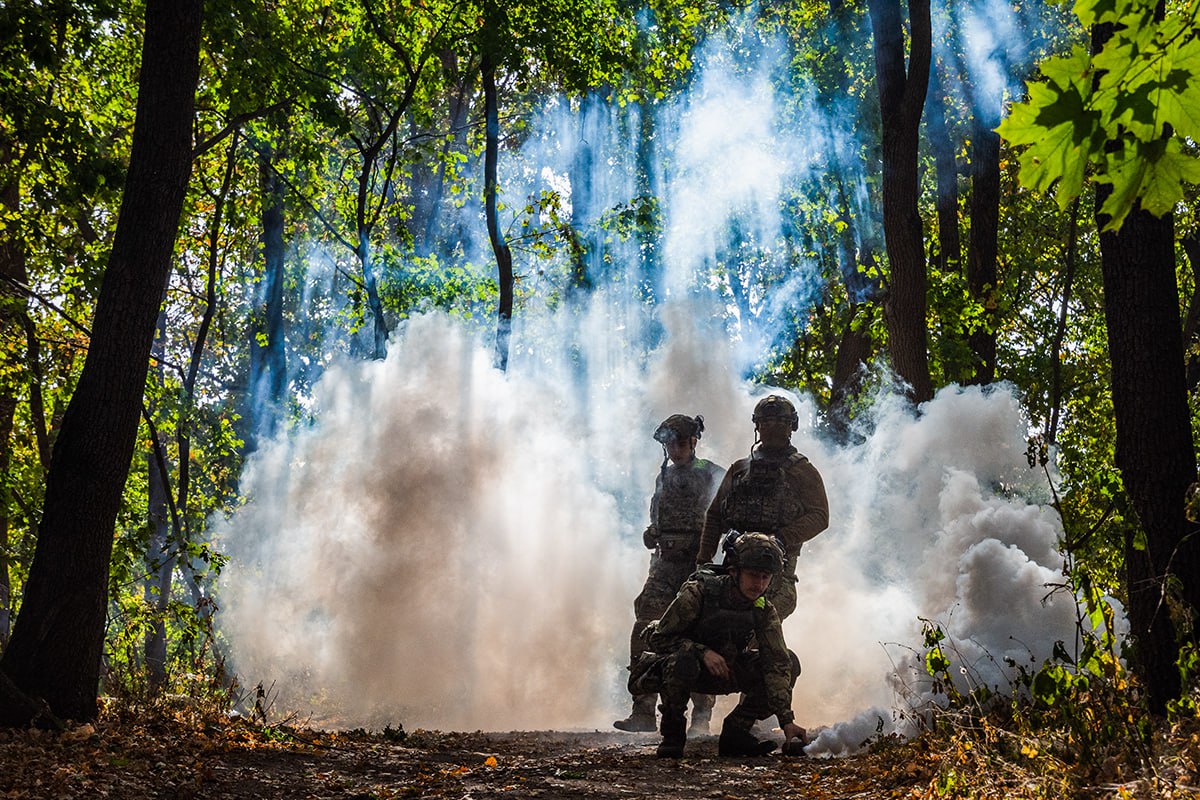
point(683, 670)
point(796, 669)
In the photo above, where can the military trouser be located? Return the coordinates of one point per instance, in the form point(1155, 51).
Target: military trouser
point(662, 584)
point(684, 673)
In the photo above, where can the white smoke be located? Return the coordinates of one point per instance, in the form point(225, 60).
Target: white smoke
point(448, 546)
point(440, 548)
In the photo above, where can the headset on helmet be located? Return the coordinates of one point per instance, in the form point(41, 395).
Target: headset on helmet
point(679, 426)
point(753, 551)
point(774, 406)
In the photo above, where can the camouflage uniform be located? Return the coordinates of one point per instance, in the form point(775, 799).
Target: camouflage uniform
point(773, 491)
point(681, 494)
point(710, 613)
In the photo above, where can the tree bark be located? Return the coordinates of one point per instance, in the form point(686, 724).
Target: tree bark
point(982, 248)
point(58, 636)
point(949, 241)
point(12, 309)
point(504, 267)
point(1154, 448)
point(901, 101)
point(157, 589)
point(268, 355)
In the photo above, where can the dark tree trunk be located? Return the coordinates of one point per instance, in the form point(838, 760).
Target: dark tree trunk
point(981, 251)
point(949, 241)
point(12, 310)
point(459, 107)
point(856, 258)
point(157, 590)
point(268, 354)
point(58, 636)
point(856, 346)
point(648, 265)
point(1154, 438)
point(504, 265)
point(901, 100)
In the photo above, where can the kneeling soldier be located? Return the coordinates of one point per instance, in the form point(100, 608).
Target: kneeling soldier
point(721, 636)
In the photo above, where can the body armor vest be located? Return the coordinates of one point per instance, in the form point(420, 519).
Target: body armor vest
point(722, 626)
point(683, 496)
point(760, 497)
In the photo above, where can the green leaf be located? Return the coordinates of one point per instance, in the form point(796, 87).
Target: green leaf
point(1091, 12)
point(1162, 187)
point(1179, 103)
point(1125, 170)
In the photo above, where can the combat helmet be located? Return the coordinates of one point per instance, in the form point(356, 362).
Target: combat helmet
point(755, 551)
point(679, 426)
point(775, 406)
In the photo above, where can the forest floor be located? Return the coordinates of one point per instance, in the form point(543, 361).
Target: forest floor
point(171, 757)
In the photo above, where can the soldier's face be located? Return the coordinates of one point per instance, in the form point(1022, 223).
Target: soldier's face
point(753, 583)
point(680, 449)
point(775, 431)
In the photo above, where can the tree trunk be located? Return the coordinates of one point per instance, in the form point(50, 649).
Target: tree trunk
point(268, 356)
point(12, 310)
point(981, 251)
point(459, 106)
point(504, 265)
point(855, 347)
point(1154, 438)
point(157, 589)
point(949, 241)
point(58, 636)
point(901, 100)
point(647, 239)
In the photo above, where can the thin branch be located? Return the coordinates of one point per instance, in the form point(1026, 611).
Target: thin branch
point(236, 123)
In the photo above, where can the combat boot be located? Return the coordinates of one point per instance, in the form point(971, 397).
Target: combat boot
point(702, 707)
point(674, 735)
point(642, 718)
point(737, 742)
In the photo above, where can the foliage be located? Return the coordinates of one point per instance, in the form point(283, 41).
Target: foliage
point(1061, 726)
point(1129, 111)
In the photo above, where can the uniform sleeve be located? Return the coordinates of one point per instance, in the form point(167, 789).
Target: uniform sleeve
point(673, 631)
point(714, 521)
point(810, 490)
point(650, 535)
point(777, 665)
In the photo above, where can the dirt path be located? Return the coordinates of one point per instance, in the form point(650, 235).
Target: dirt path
point(169, 763)
point(544, 764)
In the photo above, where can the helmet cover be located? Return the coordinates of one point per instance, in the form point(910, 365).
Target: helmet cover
point(679, 426)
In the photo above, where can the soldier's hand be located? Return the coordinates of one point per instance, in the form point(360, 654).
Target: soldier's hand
point(650, 537)
point(794, 731)
point(716, 664)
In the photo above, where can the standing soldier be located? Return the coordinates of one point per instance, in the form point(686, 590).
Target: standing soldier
point(682, 491)
point(775, 491)
point(721, 635)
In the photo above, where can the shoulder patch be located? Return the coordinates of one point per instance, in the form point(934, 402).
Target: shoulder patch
point(761, 602)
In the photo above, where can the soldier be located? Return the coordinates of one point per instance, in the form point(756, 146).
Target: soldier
point(682, 491)
point(721, 635)
point(776, 491)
